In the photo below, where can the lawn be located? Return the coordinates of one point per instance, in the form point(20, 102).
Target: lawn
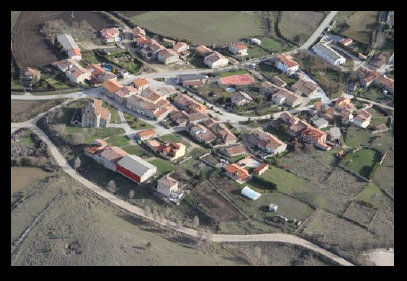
point(119, 141)
point(202, 27)
point(268, 70)
point(274, 45)
point(357, 25)
point(115, 118)
point(27, 139)
point(384, 141)
point(230, 73)
point(255, 51)
point(90, 134)
point(361, 161)
point(356, 136)
point(276, 178)
point(135, 150)
point(90, 57)
point(297, 26)
point(136, 123)
point(384, 176)
point(371, 194)
point(163, 166)
point(174, 138)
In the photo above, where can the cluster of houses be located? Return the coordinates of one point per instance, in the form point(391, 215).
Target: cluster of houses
point(141, 97)
point(368, 77)
point(132, 167)
point(211, 133)
point(150, 49)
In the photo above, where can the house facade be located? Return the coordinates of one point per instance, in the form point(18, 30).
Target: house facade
point(238, 49)
point(95, 115)
point(167, 56)
point(216, 60)
point(286, 64)
point(167, 185)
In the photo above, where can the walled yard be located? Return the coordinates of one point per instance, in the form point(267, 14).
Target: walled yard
point(362, 161)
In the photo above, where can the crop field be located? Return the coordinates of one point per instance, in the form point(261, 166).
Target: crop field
point(30, 47)
point(202, 27)
point(361, 161)
point(357, 25)
point(294, 24)
point(325, 187)
point(214, 204)
point(360, 212)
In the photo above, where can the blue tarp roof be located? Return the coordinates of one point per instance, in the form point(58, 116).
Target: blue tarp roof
point(250, 193)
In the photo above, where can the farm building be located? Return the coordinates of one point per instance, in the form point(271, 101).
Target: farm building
point(185, 78)
point(95, 115)
point(69, 46)
point(329, 54)
point(135, 168)
point(216, 60)
point(108, 156)
point(250, 193)
point(240, 98)
point(167, 56)
point(180, 47)
point(238, 49)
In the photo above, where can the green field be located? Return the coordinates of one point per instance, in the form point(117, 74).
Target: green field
point(90, 134)
point(135, 150)
point(297, 26)
point(356, 136)
point(163, 166)
point(14, 17)
point(361, 161)
point(136, 123)
point(119, 141)
point(276, 178)
point(371, 194)
point(202, 27)
point(115, 118)
point(230, 73)
point(357, 25)
point(275, 46)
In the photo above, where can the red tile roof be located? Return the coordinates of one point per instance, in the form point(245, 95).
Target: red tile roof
point(239, 172)
point(287, 60)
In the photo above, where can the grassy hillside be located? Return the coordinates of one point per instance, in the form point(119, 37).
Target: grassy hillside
point(202, 27)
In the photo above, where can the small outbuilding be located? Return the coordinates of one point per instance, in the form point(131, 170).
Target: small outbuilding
point(248, 192)
point(273, 207)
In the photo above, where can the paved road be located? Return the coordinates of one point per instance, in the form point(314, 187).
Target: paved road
point(324, 24)
point(270, 237)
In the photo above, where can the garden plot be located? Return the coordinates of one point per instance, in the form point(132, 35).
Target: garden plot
point(383, 222)
point(384, 176)
point(362, 161)
point(360, 212)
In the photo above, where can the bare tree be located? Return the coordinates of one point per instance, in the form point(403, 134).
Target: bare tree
point(131, 194)
point(60, 129)
point(196, 222)
point(179, 223)
point(111, 185)
point(147, 211)
point(78, 138)
point(77, 163)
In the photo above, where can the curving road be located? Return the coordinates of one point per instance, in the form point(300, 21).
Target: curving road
point(269, 237)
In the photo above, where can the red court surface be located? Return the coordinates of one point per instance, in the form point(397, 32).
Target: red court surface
point(241, 79)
